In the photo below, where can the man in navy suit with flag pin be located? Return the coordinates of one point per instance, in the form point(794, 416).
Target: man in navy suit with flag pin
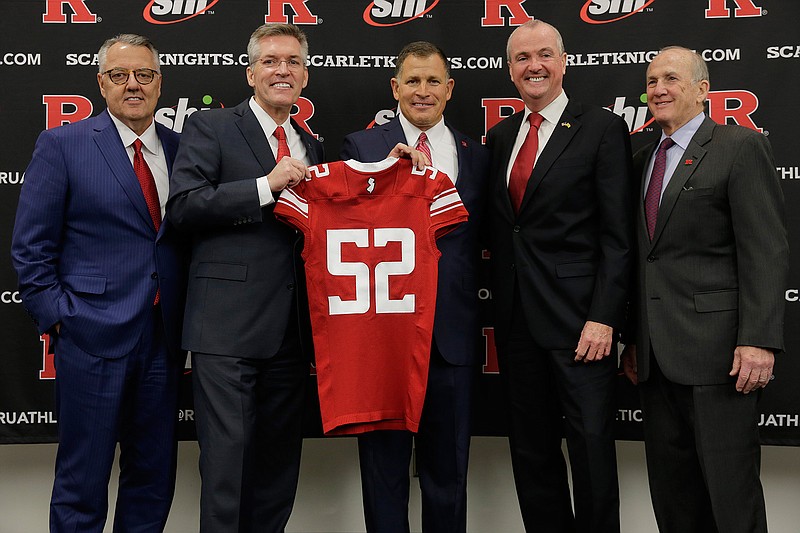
point(561, 226)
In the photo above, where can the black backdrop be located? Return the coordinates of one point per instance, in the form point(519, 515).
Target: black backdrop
point(47, 78)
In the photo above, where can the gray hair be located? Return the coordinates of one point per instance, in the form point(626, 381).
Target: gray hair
point(531, 25)
point(274, 30)
point(125, 38)
point(698, 64)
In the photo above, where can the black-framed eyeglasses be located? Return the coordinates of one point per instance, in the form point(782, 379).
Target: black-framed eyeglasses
point(119, 76)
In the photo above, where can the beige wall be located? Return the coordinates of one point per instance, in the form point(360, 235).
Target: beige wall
point(329, 501)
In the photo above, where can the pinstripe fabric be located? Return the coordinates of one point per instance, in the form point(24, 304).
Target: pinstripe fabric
point(714, 274)
point(83, 242)
point(88, 259)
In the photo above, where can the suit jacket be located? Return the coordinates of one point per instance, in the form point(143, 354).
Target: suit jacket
point(84, 245)
point(242, 278)
point(713, 277)
point(569, 250)
point(455, 326)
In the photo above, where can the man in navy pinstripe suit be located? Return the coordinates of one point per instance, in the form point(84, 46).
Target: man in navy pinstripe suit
point(102, 274)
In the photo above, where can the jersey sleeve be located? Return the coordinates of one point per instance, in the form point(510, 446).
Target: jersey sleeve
point(447, 210)
point(292, 208)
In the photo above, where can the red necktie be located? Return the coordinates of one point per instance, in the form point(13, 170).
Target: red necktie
point(523, 164)
point(283, 146)
point(422, 146)
point(148, 184)
point(653, 196)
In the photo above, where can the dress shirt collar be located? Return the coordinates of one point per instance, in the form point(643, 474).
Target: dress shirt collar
point(552, 112)
point(684, 134)
point(435, 133)
point(149, 137)
point(268, 124)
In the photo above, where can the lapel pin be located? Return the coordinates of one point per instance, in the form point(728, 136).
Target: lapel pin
point(688, 162)
point(566, 124)
point(464, 143)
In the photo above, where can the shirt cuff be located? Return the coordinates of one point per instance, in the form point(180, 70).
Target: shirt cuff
point(264, 193)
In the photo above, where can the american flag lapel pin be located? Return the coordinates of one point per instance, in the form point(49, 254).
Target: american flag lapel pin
point(566, 125)
point(463, 143)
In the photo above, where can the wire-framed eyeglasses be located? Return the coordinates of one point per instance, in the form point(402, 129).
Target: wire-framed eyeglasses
point(272, 63)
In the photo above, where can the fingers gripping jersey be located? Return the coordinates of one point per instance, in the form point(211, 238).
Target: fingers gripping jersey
point(371, 262)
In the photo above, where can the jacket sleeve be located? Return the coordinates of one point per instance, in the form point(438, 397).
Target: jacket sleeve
point(762, 250)
point(199, 196)
point(36, 240)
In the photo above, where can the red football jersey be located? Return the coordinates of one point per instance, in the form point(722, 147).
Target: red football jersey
point(371, 263)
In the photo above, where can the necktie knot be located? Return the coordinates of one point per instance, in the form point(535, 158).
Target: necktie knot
point(666, 144)
point(283, 146)
point(536, 120)
point(137, 147)
point(422, 146)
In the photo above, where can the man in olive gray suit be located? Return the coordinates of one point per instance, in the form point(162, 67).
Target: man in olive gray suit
point(713, 262)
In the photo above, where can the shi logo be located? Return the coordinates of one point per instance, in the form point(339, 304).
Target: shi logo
point(370, 185)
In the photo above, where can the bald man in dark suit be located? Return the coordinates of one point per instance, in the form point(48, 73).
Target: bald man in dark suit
point(561, 254)
point(712, 269)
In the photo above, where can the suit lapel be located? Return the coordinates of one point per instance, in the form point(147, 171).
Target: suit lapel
point(463, 152)
point(694, 153)
point(254, 136)
point(393, 133)
point(558, 142)
point(169, 143)
point(110, 145)
point(309, 142)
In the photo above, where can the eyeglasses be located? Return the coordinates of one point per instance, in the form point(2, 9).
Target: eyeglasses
point(271, 63)
point(119, 76)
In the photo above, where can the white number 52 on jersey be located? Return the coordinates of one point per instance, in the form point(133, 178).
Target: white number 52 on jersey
point(361, 273)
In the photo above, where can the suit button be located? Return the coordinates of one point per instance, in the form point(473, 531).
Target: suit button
point(517, 229)
point(290, 286)
point(652, 259)
point(513, 266)
point(154, 275)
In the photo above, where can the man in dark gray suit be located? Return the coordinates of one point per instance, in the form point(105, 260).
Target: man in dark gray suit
point(712, 266)
point(244, 305)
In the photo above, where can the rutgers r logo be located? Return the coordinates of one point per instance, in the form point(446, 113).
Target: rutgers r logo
point(718, 9)
point(733, 107)
point(172, 11)
point(493, 13)
point(497, 109)
point(276, 12)
point(63, 109)
point(302, 111)
point(605, 11)
point(54, 12)
point(384, 13)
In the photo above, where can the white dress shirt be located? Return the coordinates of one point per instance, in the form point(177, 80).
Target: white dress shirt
point(551, 114)
point(296, 147)
point(440, 141)
point(153, 154)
